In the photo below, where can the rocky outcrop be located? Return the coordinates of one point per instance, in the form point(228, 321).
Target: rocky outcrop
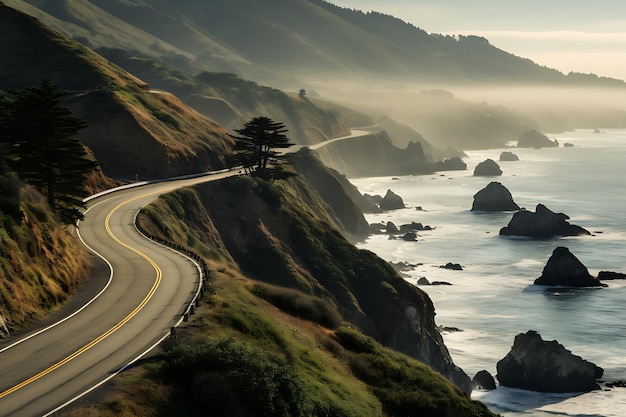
point(483, 380)
point(391, 201)
point(546, 366)
point(508, 156)
point(563, 268)
point(494, 197)
point(543, 223)
point(610, 275)
point(452, 266)
point(533, 139)
point(487, 168)
point(451, 164)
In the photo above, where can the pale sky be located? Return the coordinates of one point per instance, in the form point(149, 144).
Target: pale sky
point(569, 35)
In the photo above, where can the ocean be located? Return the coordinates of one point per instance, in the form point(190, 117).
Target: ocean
point(492, 299)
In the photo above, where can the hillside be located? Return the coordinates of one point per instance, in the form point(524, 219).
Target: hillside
point(272, 40)
point(287, 282)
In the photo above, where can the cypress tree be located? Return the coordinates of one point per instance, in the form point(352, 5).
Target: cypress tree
point(255, 148)
point(44, 150)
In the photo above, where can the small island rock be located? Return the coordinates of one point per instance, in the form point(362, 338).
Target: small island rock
point(487, 168)
point(391, 201)
point(483, 380)
point(494, 197)
point(563, 268)
point(452, 266)
point(533, 139)
point(610, 275)
point(508, 156)
point(451, 164)
point(546, 366)
point(543, 223)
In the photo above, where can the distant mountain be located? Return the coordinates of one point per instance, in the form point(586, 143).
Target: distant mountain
point(289, 40)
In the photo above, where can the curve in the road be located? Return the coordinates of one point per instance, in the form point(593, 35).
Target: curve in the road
point(155, 285)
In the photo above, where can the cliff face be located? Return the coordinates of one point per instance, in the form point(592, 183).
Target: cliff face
point(284, 235)
point(375, 155)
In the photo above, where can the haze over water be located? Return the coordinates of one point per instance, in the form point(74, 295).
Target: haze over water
point(493, 298)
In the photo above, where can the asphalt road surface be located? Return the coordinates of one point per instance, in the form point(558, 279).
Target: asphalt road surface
point(138, 298)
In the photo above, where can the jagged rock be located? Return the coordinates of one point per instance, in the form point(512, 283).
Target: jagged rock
point(563, 268)
point(494, 197)
point(423, 281)
point(533, 139)
point(568, 145)
point(391, 228)
point(596, 130)
point(448, 329)
point(4, 331)
point(451, 164)
point(440, 283)
point(546, 366)
point(377, 228)
point(450, 265)
point(616, 384)
point(487, 168)
point(609, 275)
point(543, 223)
point(411, 227)
point(391, 201)
point(410, 237)
point(508, 156)
point(370, 203)
point(483, 380)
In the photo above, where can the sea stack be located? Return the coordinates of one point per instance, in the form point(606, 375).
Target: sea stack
point(564, 269)
point(546, 366)
point(494, 197)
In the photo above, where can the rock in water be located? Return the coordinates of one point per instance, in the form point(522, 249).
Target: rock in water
point(494, 197)
point(533, 139)
point(563, 268)
point(391, 201)
point(508, 156)
point(543, 223)
point(483, 380)
point(487, 168)
point(546, 366)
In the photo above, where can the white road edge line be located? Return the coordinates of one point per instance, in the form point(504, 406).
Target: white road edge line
point(80, 309)
point(129, 364)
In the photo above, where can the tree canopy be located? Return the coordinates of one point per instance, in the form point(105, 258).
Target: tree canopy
point(39, 133)
point(256, 148)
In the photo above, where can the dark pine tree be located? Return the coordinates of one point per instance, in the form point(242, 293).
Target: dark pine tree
point(256, 148)
point(44, 150)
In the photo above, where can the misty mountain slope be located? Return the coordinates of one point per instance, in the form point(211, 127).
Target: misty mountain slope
point(133, 132)
point(288, 41)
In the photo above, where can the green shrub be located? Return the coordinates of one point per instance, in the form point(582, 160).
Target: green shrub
point(301, 305)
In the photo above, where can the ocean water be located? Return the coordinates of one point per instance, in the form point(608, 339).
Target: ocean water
point(492, 299)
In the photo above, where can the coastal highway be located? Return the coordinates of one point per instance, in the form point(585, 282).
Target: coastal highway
point(138, 294)
point(141, 295)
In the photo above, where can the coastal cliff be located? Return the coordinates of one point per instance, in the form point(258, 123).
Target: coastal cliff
point(284, 234)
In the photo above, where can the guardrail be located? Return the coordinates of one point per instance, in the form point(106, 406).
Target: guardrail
point(203, 270)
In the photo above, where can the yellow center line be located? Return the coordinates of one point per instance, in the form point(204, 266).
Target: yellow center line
point(159, 275)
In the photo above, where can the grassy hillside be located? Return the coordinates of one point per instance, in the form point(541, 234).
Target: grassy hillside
point(280, 329)
point(134, 132)
point(274, 40)
point(42, 263)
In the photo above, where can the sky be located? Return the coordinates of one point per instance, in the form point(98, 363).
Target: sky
point(586, 36)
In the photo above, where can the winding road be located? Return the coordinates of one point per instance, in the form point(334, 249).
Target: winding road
point(137, 302)
point(141, 292)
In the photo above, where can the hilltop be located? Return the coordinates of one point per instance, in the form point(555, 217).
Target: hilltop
point(276, 39)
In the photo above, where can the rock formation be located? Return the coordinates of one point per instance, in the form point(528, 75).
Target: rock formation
point(563, 268)
point(487, 168)
point(543, 223)
point(483, 380)
point(533, 139)
point(452, 266)
point(610, 275)
point(494, 197)
point(508, 156)
point(451, 164)
point(391, 201)
point(546, 366)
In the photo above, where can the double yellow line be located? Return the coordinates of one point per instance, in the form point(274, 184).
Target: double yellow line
point(159, 275)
